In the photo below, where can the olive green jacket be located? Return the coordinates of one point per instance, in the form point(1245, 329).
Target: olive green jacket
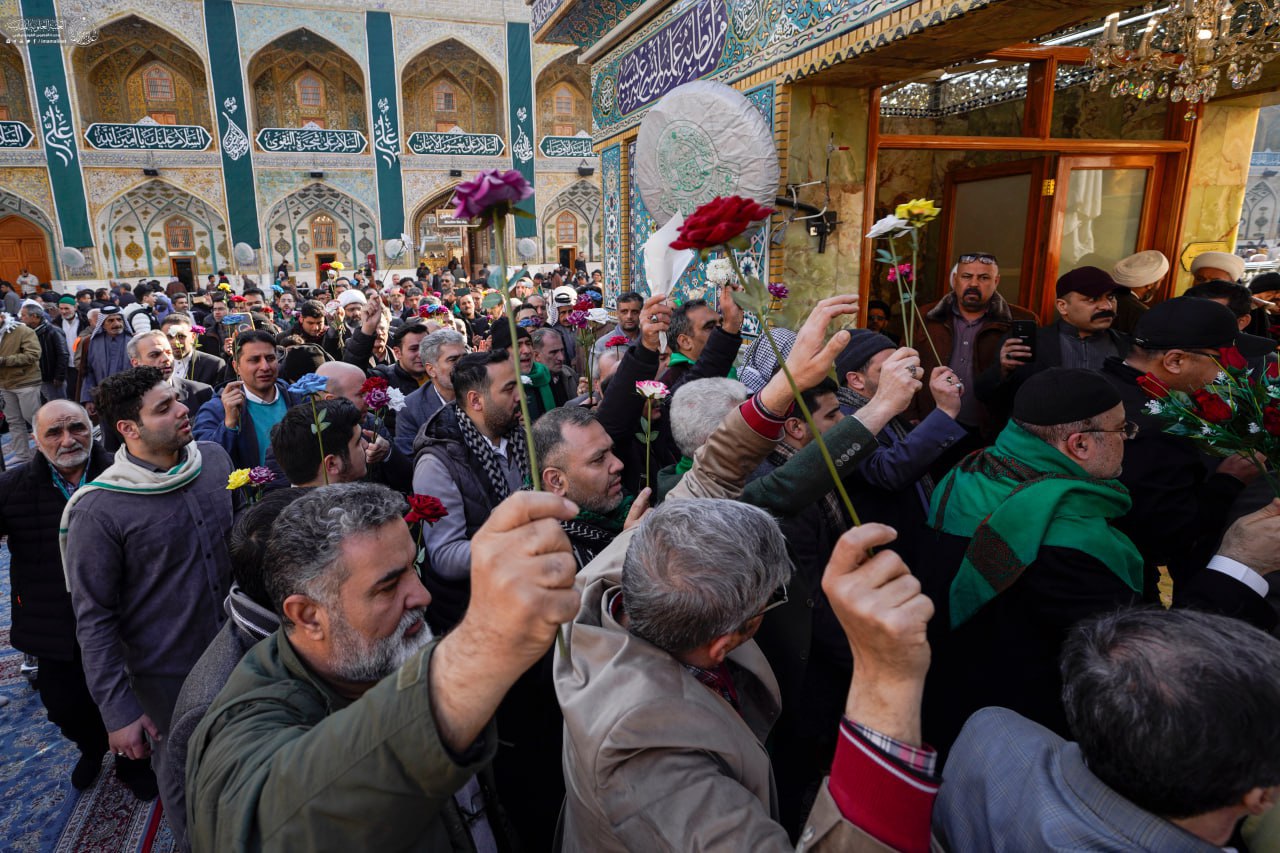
point(282, 762)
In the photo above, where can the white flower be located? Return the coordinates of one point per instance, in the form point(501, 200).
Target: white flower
point(719, 271)
point(526, 380)
point(1221, 377)
point(395, 399)
point(1206, 430)
point(889, 226)
point(1254, 428)
point(1154, 407)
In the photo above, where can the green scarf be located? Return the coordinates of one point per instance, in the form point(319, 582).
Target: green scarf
point(681, 358)
point(1016, 497)
point(540, 381)
point(612, 522)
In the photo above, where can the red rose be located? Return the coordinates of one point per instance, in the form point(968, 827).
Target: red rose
point(373, 383)
point(618, 341)
point(1211, 407)
point(584, 303)
point(719, 221)
point(1231, 357)
point(1273, 370)
point(1153, 386)
point(1271, 420)
point(425, 508)
point(237, 299)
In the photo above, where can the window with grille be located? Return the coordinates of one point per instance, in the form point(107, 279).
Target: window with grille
point(310, 92)
point(323, 232)
point(163, 117)
point(159, 83)
point(445, 101)
point(564, 100)
point(178, 236)
point(566, 229)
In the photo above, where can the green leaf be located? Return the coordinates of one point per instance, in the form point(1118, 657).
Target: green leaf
point(745, 300)
point(493, 300)
point(883, 256)
point(644, 425)
point(642, 438)
point(521, 213)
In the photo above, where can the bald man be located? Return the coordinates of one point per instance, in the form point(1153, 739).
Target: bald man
point(32, 498)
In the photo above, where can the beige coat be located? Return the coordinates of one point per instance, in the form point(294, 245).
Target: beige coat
point(653, 760)
point(19, 356)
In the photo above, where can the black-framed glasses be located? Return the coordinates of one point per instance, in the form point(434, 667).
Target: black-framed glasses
point(979, 257)
point(1130, 430)
point(776, 599)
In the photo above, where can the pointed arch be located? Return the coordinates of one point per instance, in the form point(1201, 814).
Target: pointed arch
point(13, 87)
point(131, 227)
point(334, 96)
point(563, 97)
point(582, 200)
point(1259, 219)
point(23, 253)
point(289, 227)
point(136, 69)
point(477, 90)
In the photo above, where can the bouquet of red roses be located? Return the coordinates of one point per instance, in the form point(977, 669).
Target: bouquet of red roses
point(1238, 413)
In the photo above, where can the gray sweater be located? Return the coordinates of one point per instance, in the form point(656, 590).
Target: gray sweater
point(148, 574)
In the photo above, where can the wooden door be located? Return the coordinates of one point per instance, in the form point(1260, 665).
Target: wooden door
point(23, 246)
point(1105, 207)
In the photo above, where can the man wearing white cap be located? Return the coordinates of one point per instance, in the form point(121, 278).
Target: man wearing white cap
point(1217, 266)
point(563, 299)
point(351, 302)
point(1138, 276)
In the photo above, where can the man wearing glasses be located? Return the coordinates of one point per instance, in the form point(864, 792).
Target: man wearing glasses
point(1026, 548)
point(1180, 501)
point(965, 329)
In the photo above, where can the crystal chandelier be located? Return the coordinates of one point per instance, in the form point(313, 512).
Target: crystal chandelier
point(1184, 48)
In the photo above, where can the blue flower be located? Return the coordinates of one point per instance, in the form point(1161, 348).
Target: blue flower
point(593, 295)
point(309, 384)
point(277, 288)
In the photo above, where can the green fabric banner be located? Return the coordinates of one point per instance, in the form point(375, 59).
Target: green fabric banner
point(232, 108)
point(386, 122)
point(520, 92)
point(57, 129)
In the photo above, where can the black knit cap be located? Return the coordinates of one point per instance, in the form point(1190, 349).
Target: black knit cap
point(501, 335)
point(1062, 395)
point(1265, 283)
point(301, 360)
point(1183, 323)
point(863, 344)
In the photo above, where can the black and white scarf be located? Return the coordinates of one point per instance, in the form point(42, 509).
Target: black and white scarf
point(481, 449)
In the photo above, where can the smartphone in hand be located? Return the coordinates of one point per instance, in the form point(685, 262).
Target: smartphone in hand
point(1026, 331)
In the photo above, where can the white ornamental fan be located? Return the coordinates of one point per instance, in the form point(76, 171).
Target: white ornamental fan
point(71, 257)
point(703, 140)
point(243, 253)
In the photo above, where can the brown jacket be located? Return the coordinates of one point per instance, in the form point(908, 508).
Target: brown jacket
point(938, 326)
point(19, 355)
point(653, 760)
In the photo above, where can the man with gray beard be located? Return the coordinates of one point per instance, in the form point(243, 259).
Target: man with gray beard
point(349, 728)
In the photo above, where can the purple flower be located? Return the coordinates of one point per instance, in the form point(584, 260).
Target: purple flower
point(197, 328)
point(260, 476)
point(377, 398)
point(477, 197)
point(778, 291)
point(577, 319)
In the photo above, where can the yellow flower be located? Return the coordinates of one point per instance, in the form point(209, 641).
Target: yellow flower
point(224, 286)
point(238, 478)
point(337, 265)
point(918, 211)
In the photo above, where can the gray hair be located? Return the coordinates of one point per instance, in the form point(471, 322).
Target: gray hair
point(548, 430)
point(1142, 687)
point(438, 340)
point(611, 353)
point(700, 568)
point(1058, 433)
point(698, 407)
point(135, 343)
point(540, 336)
point(304, 554)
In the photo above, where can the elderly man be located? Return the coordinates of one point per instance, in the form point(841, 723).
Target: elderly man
point(19, 381)
point(695, 411)
point(145, 561)
point(54, 356)
point(32, 498)
point(312, 745)
point(439, 352)
point(105, 353)
point(366, 347)
point(240, 418)
point(1027, 549)
point(965, 329)
point(352, 303)
point(471, 455)
point(1141, 688)
point(1181, 501)
point(188, 361)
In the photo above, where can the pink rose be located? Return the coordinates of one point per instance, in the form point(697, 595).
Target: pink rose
point(492, 187)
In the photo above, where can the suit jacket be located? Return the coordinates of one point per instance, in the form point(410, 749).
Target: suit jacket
point(209, 369)
point(1014, 786)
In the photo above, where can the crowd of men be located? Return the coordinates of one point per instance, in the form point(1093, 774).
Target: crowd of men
point(689, 638)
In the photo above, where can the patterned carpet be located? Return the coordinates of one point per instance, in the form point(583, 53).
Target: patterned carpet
point(39, 810)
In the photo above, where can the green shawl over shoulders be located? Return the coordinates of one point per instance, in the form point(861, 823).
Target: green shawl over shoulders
point(540, 381)
point(1016, 497)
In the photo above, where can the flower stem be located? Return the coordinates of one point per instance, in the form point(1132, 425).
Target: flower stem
point(315, 419)
point(500, 228)
point(648, 437)
point(804, 410)
point(902, 294)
